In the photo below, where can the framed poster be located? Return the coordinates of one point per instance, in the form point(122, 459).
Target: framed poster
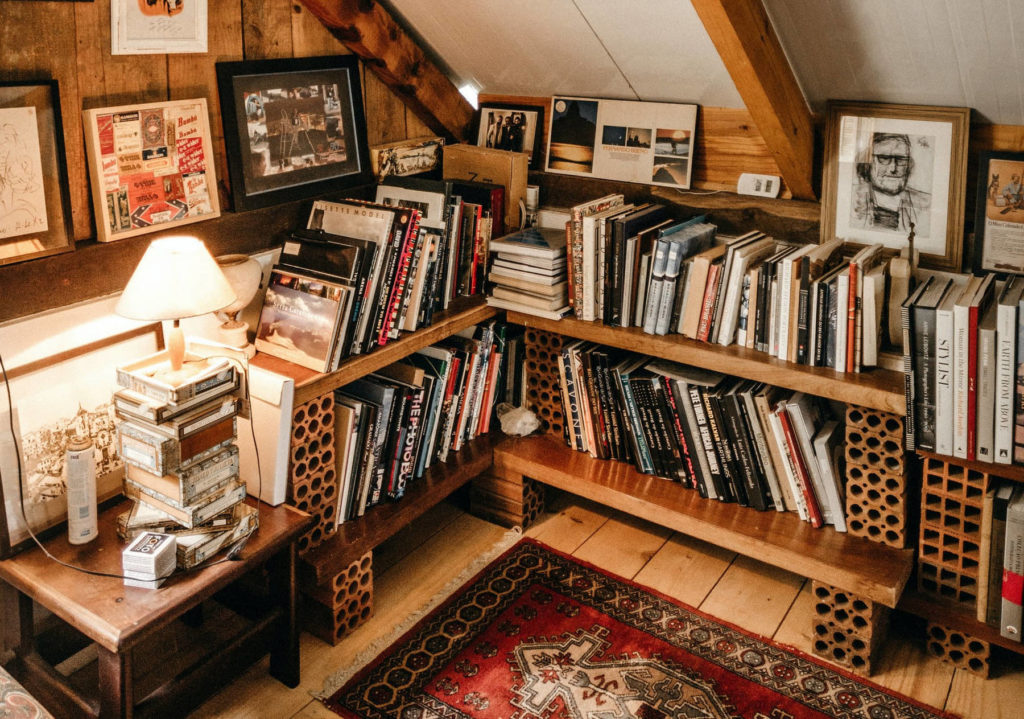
point(146, 27)
point(647, 142)
point(151, 167)
point(999, 213)
point(54, 399)
point(293, 128)
point(35, 212)
point(518, 128)
point(890, 166)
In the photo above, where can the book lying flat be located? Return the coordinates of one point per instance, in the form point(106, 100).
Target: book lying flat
point(526, 309)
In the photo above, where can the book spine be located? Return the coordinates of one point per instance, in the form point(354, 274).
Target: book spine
point(675, 466)
point(386, 320)
point(909, 381)
point(601, 448)
point(972, 382)
point(748, 470)
point(715, 483)
point(407, 457)
point(960, 360)
point(986, 395)
point(723, 486)
point(924, 377)
point(1006, 363)
point(708, 305)
point(690, 474)
point(819, 342)
point(997, 548)
point(803, 313)
point(800, 469)
point(851, 316)
point(1018, 405)
point(1013, 569)
point(944, 382)
point(643, 396)
point(785, 292)
point(642, 460)
point(573, 235)
point(762, 454)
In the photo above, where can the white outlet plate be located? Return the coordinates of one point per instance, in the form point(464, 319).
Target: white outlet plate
point(759, 185)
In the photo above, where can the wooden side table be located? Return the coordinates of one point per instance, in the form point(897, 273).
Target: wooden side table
point(117, 618)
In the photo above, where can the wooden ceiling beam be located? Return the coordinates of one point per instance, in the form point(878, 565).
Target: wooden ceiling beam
point(750, 49)
point(368, 30)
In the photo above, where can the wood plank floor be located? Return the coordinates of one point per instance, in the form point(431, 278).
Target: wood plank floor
point(421, 560)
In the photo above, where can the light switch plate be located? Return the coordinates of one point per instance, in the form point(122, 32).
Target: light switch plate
point(759, 185)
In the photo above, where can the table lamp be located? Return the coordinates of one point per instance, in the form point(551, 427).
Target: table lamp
point(244, 274)
point(176, 278)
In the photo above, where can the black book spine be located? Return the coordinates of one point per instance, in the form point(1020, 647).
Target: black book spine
point(910, 424)
point(610, 407)
point(803, 312)
point(642, 394)
point(690, 443)
point(396, 438)
point(764, 283)
point(594, 398)
point(617, 277)
point(721, 439)
point(392, 255)
point(924, 377)
point(821, 324)
point(631, 420)
point(678, 299)
point(673, 431)
point(748, 473)
point(708, 440)
point(411, 440)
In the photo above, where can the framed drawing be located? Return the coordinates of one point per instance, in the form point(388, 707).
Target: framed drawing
point(999, 213)
point(35, 212)
point(147, 27)
point(518, 128)
point(151, 167)
point(293, 128)
point(54, 399)
point(647, 142)
point(887, 166)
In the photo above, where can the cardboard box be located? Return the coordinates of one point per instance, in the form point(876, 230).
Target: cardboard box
point(500, 167)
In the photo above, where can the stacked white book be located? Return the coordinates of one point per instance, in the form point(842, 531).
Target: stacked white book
point(528, 272)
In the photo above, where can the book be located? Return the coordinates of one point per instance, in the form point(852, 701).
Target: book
point(802, 464)
point(593, 238)
point(786, 309)
point(871, 319)
point(1018, 405)
point(860, 263)
point(829, 452)
point(734, 247)
point(532, 242)
point(1003, 491)
point(574, 244)
point(1010, 615)
point(966, 313)
point(1007, 317)
point(544, 301)
point(144, 376)
point(183, 485)
point(944, 371)
point(985, 401)
point(759, 248)
point(696, 284)
point(985, 563)
point(909, 378)
point(162, 455)
point(504, 304)
point(222, 497)
point(765, 398)
point(817, 262)
point(924, 361)
point(626, 232)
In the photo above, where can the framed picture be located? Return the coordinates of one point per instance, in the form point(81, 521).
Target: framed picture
point(35, 211)
point(293, 128)
point(146, 27)
point(999, 213)
point(54, 399)
point(430, 203)
point(890, 166)
point(403, 158)
point(151, 167)
point(518, 128)
point(647, 142)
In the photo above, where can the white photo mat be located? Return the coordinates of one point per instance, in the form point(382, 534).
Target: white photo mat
point(147, 27)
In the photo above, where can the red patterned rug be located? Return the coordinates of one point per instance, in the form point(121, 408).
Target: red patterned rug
point(538, 634)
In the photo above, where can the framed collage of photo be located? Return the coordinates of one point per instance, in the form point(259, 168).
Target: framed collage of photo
point(890, 166)
point(293, 128)
point(999, 213)
point(647, 142)
point(151, 167)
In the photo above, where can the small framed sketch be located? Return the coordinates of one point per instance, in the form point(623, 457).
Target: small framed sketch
point(999, 213)
point(519, 128)
point(35, 212)
point(151, 167)
point(890, 166)
point(147, 27)
point(648, 142)
point(293, 128)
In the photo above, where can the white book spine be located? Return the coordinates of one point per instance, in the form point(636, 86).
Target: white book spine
point(1013, 567)
point(761, 446)
point(731, 309)
point(805, 437)
point(960, 350)
point(842, 305)
point(944, 381)
point(986, 396)
point(785, 292)
point(589, 269)
point(1006, 361)
point(773, 318)
point(787, 461)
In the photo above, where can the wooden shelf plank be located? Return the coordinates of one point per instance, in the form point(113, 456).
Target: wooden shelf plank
point(310, 385)
point(781, 539)
point(1014, 472)
point(355, 538)
point(955, 616)
point(878, 389)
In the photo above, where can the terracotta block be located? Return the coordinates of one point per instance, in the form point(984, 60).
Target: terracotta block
point(847, 629)
point(959, 649)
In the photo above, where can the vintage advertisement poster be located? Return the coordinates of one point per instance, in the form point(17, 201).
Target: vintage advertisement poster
point(22, 197)
point(1002, 248)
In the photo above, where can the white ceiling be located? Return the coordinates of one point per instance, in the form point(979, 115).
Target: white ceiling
point(933, 52)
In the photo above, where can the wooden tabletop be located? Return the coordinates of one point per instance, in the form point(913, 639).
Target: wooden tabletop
point(115, 616)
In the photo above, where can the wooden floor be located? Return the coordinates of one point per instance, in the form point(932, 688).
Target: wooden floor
point(418, 563)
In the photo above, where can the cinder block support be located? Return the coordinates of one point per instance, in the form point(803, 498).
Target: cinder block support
point(313, 472)
point(543, 387)
point(847, 629)
point(335, 608)
point(877, 503)
point(959, 649)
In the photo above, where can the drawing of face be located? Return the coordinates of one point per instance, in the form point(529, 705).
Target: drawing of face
point(890, 163)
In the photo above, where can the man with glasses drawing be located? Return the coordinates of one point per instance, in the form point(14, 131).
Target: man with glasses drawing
point(883, 198)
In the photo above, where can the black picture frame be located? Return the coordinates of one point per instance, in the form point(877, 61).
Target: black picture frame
point(999, 214)
point(303, 106)
point(534, 120)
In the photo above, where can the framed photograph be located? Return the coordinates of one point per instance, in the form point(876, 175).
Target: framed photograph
point(151, 167)
point(646, 142)
point(888, 167)
point(518, 128)
point(403, 158)
point(293, 128)
point(35, 211)
point(147, 27)
point(54, 399)
point(999, 213)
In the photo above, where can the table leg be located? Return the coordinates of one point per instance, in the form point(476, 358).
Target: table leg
point(116, 697)
point(284, 654)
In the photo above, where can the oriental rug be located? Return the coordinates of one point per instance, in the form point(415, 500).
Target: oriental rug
point(540, 635)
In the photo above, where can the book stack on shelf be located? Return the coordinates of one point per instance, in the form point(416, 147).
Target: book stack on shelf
point(177, 440)
point(1001, 559)
point(528, 272)
point(730, 439)
point(394, 424)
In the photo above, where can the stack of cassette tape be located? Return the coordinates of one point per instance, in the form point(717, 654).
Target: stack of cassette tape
point(177, 442)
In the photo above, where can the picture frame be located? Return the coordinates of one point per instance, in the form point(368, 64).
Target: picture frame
point(54, 398)
point(888, 165)
point(999, 213)
point(646, 142)
point(405, 158)
point(35, 209)
point(527, 135)
point(150, 27)
point(151, 167)
point(293, 128)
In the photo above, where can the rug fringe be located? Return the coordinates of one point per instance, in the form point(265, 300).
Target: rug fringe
point(336, 681)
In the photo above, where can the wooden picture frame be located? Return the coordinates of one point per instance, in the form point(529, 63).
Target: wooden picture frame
point(53, 399)
point(999, 213)
point(889, 165)
point(151, 167)
point(293, 128)
point(526, 136)
point(152, 27)
point(35, 210)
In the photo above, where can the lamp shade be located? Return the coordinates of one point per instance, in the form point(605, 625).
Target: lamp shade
point(176, 278)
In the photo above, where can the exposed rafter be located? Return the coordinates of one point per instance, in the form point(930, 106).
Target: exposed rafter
point(750, 49)
point(368, 30)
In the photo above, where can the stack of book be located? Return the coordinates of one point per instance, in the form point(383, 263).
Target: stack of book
point(177, 440)
point(1001, 559)
point(528, 272)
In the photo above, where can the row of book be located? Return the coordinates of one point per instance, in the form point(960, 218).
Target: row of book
point(1001, 559)
point(636, 266)
point(963, 343)
point(730, 439)
point(393, 425)
point(360, 273)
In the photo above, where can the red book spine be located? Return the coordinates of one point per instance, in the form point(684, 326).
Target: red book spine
point(683, 446)
point(571, 253)
point(803, 477)
point(401, 277)
point(710, 291)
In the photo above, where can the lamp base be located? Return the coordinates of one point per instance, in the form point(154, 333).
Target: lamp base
point(235, 333)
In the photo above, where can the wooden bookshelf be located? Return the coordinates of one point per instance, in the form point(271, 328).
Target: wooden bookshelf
point(1013, 472)
point(858, 565)
point(309, 384)
point(878, 389)
point(955, 616)
point(356, 537)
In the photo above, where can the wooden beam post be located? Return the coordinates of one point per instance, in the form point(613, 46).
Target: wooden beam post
point(750, 49)
point(369, 31)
